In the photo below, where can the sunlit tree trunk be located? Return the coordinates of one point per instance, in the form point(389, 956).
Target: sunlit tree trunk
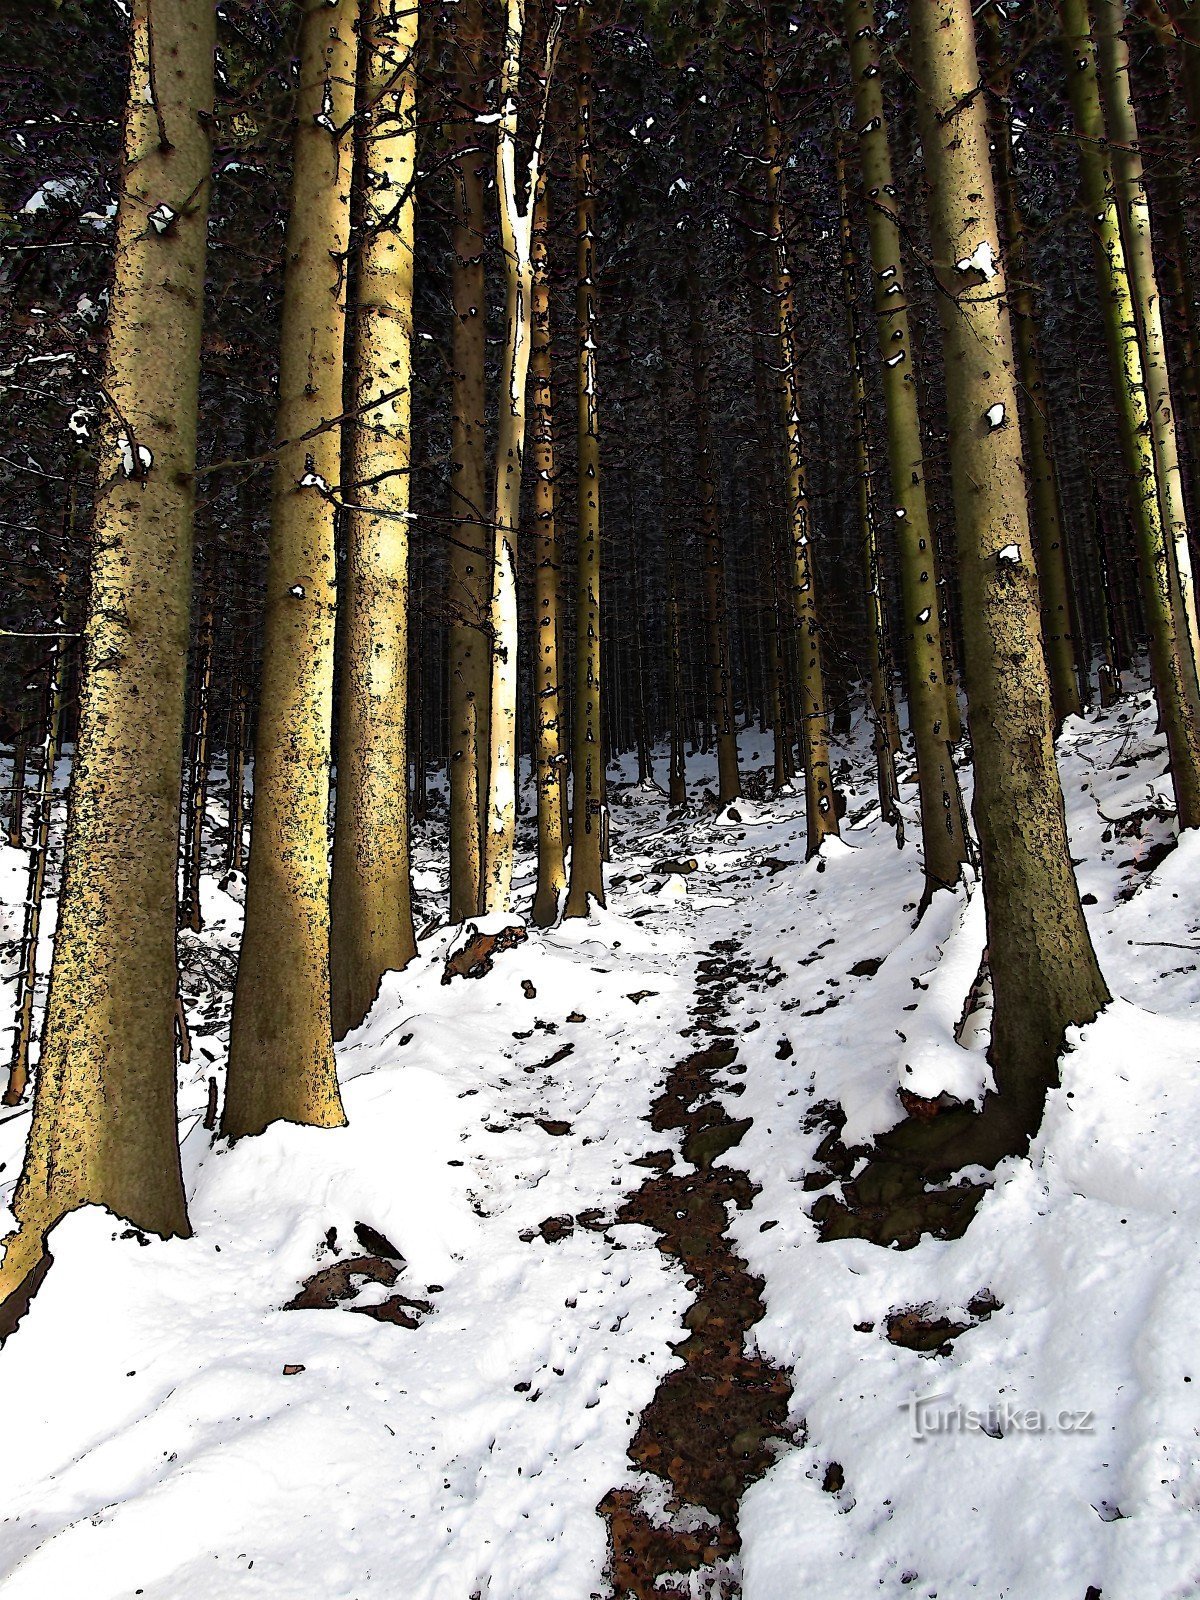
point(516, 241)
point(587, 768)
point(104, 1121)
point(1134, 209)
point(930, 714)
point(281, 1063)
point(1044, 973)
point(1174, 677)
point(470, 576)
point(371, 926)
point(1054, 574)
point(549, 755)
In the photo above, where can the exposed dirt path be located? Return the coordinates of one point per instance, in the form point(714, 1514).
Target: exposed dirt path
point(713, 1424)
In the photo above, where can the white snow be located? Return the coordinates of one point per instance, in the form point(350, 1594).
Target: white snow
point(982, 259)
point(129, 466)
point(155, 1444)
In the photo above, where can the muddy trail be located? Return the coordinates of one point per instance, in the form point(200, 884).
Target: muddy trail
point(716, 1423)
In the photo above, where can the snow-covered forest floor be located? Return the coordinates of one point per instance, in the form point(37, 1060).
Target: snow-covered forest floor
point(171, 1429)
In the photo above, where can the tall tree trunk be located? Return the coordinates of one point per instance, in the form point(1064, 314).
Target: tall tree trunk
point(716, 603)
point(235, 766)
point(1134, 209)
point(1176, 261)
point(419, 758)
point(1174, 676)
point(104, 1118)
point(820, 801)
point(587, 788)
point(767, 481)
point(547, 696)
point(641, 725)
point(1054, 574)
point(677, 764)
point(516, 239)
point(281, 1063)
point(371, 926)
point(929, 711)
point(470, 577)
point(191, 912)
point(879, 670)
point(1111, 686)
point(1044, 973)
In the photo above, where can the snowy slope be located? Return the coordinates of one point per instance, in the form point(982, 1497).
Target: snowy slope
point(153, 1442)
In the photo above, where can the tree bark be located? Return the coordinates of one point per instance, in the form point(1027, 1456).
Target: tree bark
point(587, 789)
point(469, 583)
point(1174, 677)
point(1044, 973)
point(1054, 574)
point(716, 603)
point(371, 926)
point(885, 731)
point(930, 715)
point(281, 1064)
point(516, 240)
point(547, 693)
point(104, 1118)
point(191, 912)
point(820, 801)
point(1134, 209)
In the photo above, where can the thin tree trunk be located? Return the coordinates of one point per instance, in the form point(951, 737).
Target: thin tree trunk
point(716, 603)
point(1174, 677)
point(883, 710)
point(371, 926)
point(191, 912)
point(820, 801)
point(39, 851)
point(547, 696)
point(235, 762)
point(470, 578)
point(587, 789)
point(281, 1064)
point(641, 730)
point(782, 773)
point(1111, 687)
point(1134, 209)
point(516, 238)
point(1044, 973)
point(677, 765)
point(416, 693)
point(930, 715)
point(104, 1119)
